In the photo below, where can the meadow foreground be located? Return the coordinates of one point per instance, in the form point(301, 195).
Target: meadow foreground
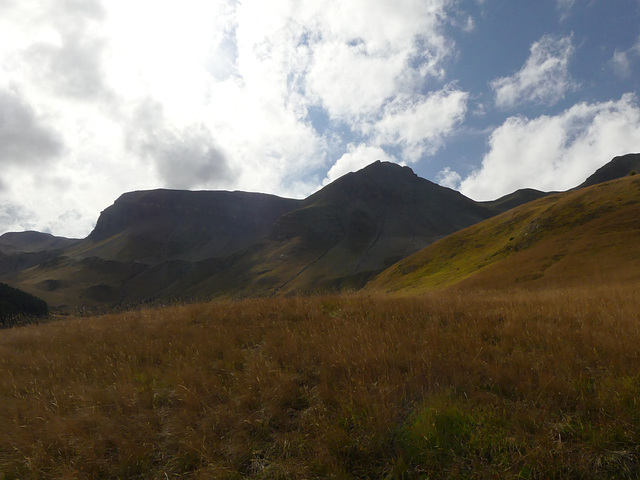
point(495, 384)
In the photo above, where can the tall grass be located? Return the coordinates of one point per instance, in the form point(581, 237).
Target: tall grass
point(447, 385)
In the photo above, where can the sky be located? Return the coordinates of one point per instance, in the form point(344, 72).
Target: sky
point(101, 97)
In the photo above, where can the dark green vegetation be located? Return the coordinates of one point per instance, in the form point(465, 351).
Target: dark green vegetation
point(18, 307)
point(450, 385)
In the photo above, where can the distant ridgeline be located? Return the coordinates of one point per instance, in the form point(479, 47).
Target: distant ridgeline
point(18, 307)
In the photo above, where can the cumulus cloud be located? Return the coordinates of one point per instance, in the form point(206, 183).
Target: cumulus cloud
point(14, 217)
point(59, 47)
point(357, 157)
point(363, 52)
point(448, 178)
point(25, 138)
point(419, 124)
point(184, 159)
point(355, 60)
point(543, 79)
point(213, 94)
point(555, 152)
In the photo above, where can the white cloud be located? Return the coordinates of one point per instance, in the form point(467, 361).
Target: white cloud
point(621, 63)
point(622, 60)
point(362, 52)
point(25, 139)
point(231, 84)
point(357, 157)
point(564, 7)
point(448, 178)
point(544, 78)
point(170, 149)
point(419, 124)
point(470, 25)
point(555, 152)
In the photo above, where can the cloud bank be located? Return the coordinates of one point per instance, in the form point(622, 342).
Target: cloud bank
point(101, 97)
point(114, 96)
point(552, 153)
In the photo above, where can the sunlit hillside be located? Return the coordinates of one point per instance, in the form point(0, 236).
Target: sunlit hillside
point(587, 236)
point(503, 385)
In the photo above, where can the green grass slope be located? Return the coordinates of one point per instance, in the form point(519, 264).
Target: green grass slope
point(567, 239)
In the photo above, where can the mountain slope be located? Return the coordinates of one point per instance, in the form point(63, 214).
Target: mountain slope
point(160, 225)
point(29, 242)
point(582, 236)
point(18, 307)
point(165, 244)
point(340, 237)
point(514, 199)
point(617, 168)
point(366, 221)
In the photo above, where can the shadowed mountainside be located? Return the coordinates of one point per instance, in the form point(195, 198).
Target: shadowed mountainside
point(30, 242)
point(357, 226)
point(160, 225)
point(164, 244)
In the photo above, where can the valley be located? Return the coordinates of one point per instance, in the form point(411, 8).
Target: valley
point(384, 327)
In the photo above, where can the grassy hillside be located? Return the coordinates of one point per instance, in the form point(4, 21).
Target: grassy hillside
point(505, 385)
point(588, 235)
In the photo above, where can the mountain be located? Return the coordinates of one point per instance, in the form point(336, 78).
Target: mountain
point(165, 244)
point(364, 222)
point(169, 244)
point(341, 236)
point(143, 243)
point(514, 199)
point(159, 225)
point(29, 242)
point(585, 236)
point(618, 167)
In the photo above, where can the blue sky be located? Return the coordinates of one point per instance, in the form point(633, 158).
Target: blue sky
point(102, 97)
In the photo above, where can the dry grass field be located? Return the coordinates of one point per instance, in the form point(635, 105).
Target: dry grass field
point(491, 384)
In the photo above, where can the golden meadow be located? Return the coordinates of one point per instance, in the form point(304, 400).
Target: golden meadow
point(475, 384)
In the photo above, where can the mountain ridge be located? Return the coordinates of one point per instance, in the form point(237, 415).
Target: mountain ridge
point(163, 244)
point(567, 239)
